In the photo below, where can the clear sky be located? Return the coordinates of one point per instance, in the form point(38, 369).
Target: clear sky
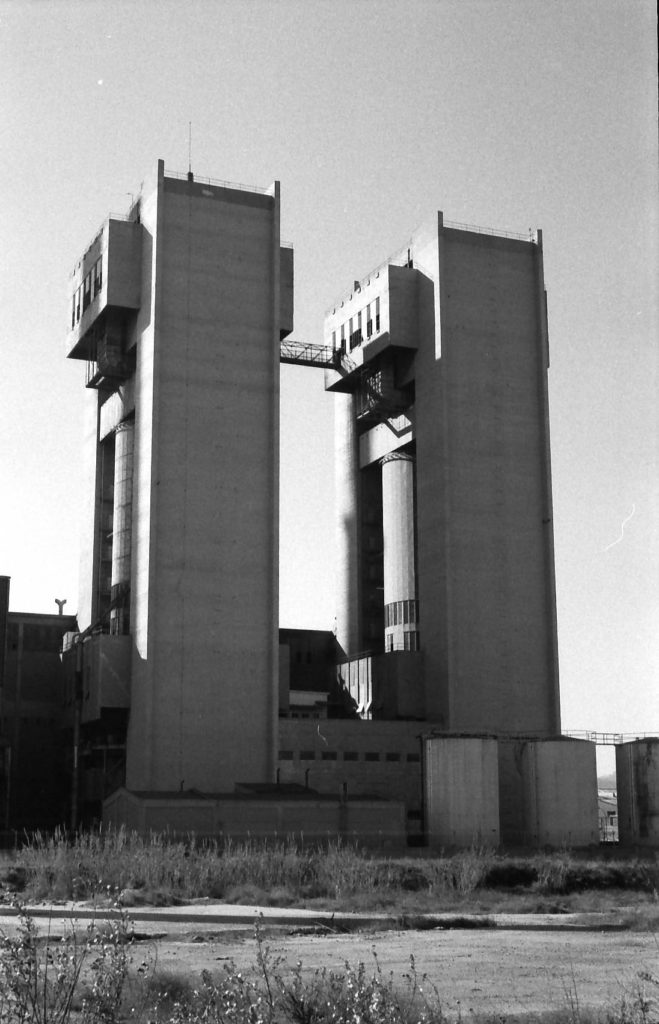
point(505, 113)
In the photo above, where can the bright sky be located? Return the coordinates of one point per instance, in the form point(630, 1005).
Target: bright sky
point(504, 113)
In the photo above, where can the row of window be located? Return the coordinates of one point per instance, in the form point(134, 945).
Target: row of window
point(351, 333)
point(87, 291)
point(411, 641)
point(399, 613)
point(348, 755)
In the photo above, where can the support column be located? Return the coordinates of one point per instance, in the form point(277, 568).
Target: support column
point(122, 521)
point(348, 618)
point(401, 611)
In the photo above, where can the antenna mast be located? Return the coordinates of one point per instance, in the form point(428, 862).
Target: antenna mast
point(189, 147)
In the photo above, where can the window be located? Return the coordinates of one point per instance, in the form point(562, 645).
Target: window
point(377, 314)
point(390, 642)
point(87, 291)
point(392, 757)
point(329, 755)
point(411, 640)
point(372, 755)
point(307, 755)
point(350, 755)
point(413, 758)
point(369, 322)
point(285, 755)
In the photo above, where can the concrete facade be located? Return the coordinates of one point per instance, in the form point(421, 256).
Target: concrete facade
point(308, 817)
point(182, 341)
point(442, 355)
point(446, 614)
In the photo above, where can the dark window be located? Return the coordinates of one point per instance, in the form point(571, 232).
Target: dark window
point(307, 755)
point(372, 755)
point(329, 755)
point(413, 758)
point(392, 757)
point(350, 755)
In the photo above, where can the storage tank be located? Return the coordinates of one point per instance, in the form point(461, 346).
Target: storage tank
point(548, 792)
point(461, 790)
point(637, 781)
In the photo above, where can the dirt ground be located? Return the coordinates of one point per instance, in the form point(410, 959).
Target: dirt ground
point(482, 971)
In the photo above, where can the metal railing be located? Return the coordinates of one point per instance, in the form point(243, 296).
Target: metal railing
point(401, 257)
point(307, 355)
point(198, 179)
point(530, 236)
point(611, 739)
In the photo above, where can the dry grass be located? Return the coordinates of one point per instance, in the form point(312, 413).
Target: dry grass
point(162, 870)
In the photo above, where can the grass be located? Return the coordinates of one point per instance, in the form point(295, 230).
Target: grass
point(163, 870)
point(86, 980)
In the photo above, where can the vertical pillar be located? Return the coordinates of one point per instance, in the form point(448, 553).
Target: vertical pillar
point(400, 605)
point(122, 514)
point(348, 624)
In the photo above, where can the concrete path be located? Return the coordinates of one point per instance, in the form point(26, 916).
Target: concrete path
point(213, 915)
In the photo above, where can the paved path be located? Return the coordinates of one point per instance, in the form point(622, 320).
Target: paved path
point(212, 914)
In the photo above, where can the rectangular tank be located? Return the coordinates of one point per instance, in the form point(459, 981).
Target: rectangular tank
point(461, 790)
point(637, 781)
point(548, 793)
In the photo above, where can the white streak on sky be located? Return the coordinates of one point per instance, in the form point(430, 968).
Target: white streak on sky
point(622, 529)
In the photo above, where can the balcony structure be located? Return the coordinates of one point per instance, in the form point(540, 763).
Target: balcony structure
point(105, 292)
point(379, 314)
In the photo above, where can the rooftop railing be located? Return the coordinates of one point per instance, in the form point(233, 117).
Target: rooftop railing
point(404, 256)
point(530, 236)
point(197, 178)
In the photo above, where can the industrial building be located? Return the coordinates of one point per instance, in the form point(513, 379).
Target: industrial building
point(432, 715)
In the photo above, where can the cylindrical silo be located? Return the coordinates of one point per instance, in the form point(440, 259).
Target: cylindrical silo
point(400, 604)
point(637, 784)
point(347, 520)
point(122, 515)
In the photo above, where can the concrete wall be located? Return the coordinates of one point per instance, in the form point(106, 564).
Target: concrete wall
point(378, 824)
point(637, 780)
point(205, 528)
point(106, 674)
point(548, 793)
point(368, 758)
point(484, 513)
point(461, 791)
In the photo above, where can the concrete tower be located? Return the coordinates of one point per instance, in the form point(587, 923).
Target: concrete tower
point(178, 311)
point(443, 481)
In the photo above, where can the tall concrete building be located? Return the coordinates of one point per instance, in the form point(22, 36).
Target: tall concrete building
point(446, 620)
point(177, 311)
point(445, 565)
